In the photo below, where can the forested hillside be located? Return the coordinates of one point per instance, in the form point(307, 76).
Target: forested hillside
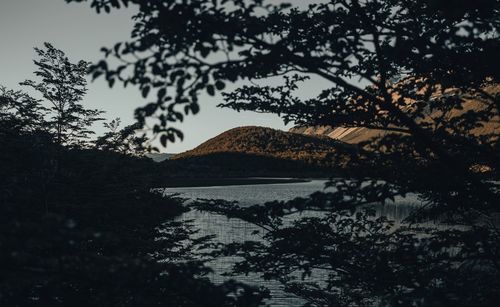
point(260, 151)
point(269, 142)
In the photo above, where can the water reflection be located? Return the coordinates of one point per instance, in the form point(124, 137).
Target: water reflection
point(234, 230)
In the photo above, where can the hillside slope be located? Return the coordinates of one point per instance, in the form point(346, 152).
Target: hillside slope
point(355, 135)
point(268, 142)
point(257, 151)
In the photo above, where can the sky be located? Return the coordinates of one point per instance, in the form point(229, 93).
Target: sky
point(80, 33)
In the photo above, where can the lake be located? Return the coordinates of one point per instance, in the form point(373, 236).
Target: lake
point(234, 230)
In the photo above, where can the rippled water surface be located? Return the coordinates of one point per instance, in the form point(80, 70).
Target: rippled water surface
point(234, 230)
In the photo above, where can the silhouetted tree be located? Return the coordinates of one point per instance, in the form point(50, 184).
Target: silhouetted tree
point(176, 46)
point(100, 243)
point(63, 85)
point(424, 72)
point(27, 145)
point(20, 112)
point(125, 140)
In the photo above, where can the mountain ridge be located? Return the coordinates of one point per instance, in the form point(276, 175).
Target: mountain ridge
point(356, 135)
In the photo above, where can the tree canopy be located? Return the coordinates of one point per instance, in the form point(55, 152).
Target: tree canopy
point(183, 48)
point(419, 63)
point(63, 86)
point(411, 68)
point(79, 225)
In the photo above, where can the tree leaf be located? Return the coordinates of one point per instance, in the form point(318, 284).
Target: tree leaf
point(145, 91)
point(163, 140)
point(211, 90)
point(220, 85)
point(161, 93)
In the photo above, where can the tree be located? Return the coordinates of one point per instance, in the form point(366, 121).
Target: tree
point(63, 85)
point(20, 112)
point(125, 140)
point(23, 132)
point(338, 40)
point(429, 79)
point(100, 244)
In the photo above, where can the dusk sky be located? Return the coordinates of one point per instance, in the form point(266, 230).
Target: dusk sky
point(80, 33)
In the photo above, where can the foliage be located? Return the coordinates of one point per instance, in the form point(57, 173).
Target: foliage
point(419, 63)
point(80, 226)
point(104, 246)
point(20, 112)
point(26, 144)
point(172, 51)
point(63, 85)
point(124, 140)
point(344, 259)
point(92, 234)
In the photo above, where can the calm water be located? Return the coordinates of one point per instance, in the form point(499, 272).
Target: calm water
point(234, 230)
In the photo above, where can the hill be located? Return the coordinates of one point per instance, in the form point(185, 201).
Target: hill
point(260, 151)
point(349, 135)
point(268, 142)
point(355, 135)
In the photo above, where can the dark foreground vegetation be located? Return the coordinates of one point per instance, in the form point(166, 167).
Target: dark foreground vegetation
point(405, 67)
point(401, 66)
point(89, 236)
point(78, 223)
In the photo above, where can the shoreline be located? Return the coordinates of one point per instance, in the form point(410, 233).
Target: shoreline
point(210, 182)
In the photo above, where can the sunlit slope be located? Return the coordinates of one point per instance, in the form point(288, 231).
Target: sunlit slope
point(266, 142)
point(355, 135)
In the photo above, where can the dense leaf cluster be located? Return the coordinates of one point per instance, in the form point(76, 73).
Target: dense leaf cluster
point(63, 86)
point(78, 225)
point(425, 70)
